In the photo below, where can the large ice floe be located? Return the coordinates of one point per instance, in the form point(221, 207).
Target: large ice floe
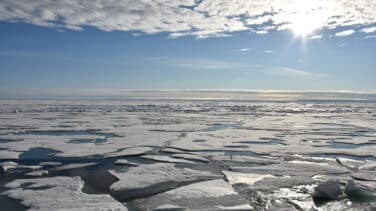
point(59, 193)
point(150, 179)
point(208, 195)
point(187, 155)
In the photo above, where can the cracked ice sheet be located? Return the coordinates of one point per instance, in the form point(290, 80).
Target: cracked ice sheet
point(182, 127)
point(59, 193)
point(207, 195)
point(216, 140)
point(302, 126)
point(60, 143)
point(221, 140)
point(292, 122)
point(190, 157)
point(131, 151)
point(295, 169)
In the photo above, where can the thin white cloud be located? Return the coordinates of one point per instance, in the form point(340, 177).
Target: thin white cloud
point(345, 33)
point(316, 37)
point(262, 32)
point(369, 30)
point(199, 63)
point(201, 19)
point(370, 36)
point(301, 61)
point(268, 51)
point(292, 72)
point(259, 20)
point(245, 49)
point(213, 65)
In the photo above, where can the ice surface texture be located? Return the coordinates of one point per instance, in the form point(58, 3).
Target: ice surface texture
point(159, 154)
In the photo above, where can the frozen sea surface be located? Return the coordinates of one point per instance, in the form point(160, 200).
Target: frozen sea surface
point(185, 155)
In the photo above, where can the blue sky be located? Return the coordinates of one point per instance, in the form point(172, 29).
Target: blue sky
point(44, 48)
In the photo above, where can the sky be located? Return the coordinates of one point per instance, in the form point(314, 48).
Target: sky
point(187, 44)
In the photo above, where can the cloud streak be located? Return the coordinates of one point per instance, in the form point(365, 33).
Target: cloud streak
point(245, 49)
point(268, 51)
point(316, 37)
point(215, 65)
point(200, 64)
point(345, 33)
point(292, 72)
point(200, 19)
point(369, 30)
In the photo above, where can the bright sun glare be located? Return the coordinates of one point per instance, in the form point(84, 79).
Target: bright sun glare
point(303, 25)
point(304, 21)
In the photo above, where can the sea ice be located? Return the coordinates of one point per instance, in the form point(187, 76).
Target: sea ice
point(150, 179)
point(165, 158)
point(244, 178)
point(190, 157)
point(124, 162)
point(59, 193)
point(207, 195)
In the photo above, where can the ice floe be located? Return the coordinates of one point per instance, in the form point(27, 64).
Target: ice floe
point(190, 157)
point(150, 179)
point(59, 193)
point(207, 195)
point(165, 158)
point(244, 178)
point(124, 162)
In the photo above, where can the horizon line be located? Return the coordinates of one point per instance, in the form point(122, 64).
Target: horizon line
point(117, 91)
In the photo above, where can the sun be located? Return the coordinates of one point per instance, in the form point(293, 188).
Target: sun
point(305, 19)
point(304, 25)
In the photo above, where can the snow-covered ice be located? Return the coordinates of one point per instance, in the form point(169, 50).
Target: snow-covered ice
point(164, 158)
point(161, 154)
point(59, 193)
point(208, 195)
point(150, 179)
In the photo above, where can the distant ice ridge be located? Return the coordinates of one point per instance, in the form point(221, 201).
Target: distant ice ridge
point(55, 96)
